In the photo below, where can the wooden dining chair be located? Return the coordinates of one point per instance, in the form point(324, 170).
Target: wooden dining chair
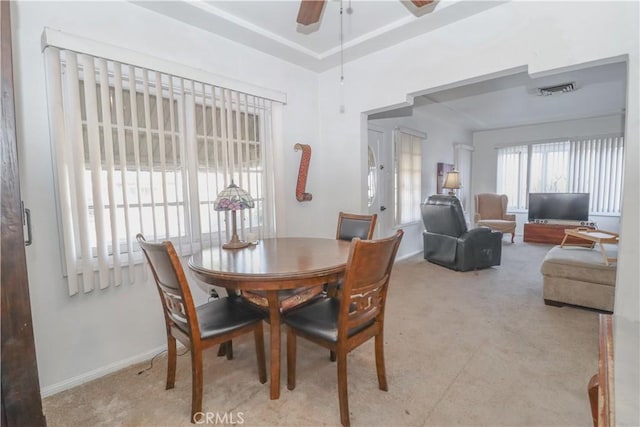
point(349, 227)
point(197, 328)
point(342, 324)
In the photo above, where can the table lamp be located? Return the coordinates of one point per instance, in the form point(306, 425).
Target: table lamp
point(233, 198)
point(452, 182)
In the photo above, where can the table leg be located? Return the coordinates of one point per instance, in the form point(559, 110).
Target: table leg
point(604, 254)
point(564, 240)
point(274, 321)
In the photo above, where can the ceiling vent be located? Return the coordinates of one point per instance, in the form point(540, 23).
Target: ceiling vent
point(563, 88)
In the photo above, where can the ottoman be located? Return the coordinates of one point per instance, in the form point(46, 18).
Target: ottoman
point(578, 276)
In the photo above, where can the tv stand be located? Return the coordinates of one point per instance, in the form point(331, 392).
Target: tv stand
point(551, 234)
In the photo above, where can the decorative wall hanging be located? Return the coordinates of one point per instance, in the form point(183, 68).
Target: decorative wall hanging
point(301, 196)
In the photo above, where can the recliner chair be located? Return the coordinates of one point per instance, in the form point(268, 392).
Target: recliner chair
point(449, 243)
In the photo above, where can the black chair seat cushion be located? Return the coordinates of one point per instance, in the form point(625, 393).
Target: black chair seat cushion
point(320, 319)
point(225, 315)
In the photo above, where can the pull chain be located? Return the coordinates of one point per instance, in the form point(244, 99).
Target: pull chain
point(341, 46)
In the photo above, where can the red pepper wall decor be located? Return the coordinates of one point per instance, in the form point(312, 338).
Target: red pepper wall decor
point(301, 196)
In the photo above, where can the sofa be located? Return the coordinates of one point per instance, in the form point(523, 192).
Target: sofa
point(578, 276)
point(449, 243)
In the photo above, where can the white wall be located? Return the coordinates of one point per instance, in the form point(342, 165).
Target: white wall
point(75, 336)
point(89, 334)
point(438, 147)
point(485, 155)
point(543, 36)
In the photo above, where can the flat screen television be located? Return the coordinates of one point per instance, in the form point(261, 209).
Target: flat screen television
point(559, 206)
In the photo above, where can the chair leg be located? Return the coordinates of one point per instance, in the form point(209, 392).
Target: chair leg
point(229, 349)
point(343, 395)
point(291, 359)
point(226, 349)
point(332, 355)
point(171, 362)
point(332, 290)
point(222, 350)
point(382, 374)
point(258, 336)
point(513, 236)
point(196, 382)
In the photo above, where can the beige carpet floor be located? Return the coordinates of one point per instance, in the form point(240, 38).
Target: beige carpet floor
point(462, 349)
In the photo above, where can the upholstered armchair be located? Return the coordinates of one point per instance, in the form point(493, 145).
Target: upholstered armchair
point(491, 211)
point(449, 243)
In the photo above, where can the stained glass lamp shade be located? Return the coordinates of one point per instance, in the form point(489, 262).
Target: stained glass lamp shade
point(233, 198)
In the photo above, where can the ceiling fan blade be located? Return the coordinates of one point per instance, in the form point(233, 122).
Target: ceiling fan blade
point(310, 11)
point(420, 3)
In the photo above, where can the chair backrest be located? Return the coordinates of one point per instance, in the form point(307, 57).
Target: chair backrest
point(491, 206)
point(354, 225)
point(364, 289)
point(172, 285)
point(442, 214)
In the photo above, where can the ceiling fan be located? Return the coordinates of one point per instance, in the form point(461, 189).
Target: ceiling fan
point(310, 10)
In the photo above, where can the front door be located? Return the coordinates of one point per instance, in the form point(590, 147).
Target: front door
point(21, 404)
point(376, 174)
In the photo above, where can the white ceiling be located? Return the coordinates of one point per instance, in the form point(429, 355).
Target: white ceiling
point(270, 26)
point(513, 100)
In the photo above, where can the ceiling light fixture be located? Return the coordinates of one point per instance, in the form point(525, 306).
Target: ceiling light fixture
point(550, 90)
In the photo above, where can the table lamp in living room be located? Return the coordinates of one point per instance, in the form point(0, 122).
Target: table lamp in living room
point(452, 182)
point(233, 198)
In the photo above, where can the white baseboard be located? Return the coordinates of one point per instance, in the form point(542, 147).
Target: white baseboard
point(100, 372)
point(419, 251)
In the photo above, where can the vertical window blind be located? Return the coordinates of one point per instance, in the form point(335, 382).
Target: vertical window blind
point(138, 150)
point(590, 165)
point(408, 176)
point(596, 167)
point(512, 175)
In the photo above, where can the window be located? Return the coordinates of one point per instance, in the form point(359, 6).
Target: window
point(372, 177)
point(591, 165)
point(407, 175)
point(144, 151)
point(512, 175)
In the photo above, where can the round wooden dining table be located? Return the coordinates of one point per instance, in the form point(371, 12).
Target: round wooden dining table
point(272, 265)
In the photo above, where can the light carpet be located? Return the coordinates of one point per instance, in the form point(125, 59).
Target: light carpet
point(462, 349)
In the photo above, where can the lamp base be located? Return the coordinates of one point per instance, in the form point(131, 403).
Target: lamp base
point(235, 245)
point(235, 242)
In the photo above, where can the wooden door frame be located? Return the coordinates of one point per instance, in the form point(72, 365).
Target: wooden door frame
point(21, 400)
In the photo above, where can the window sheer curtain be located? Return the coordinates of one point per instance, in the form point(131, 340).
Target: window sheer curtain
point(463, 157)
point(408, 175)
point(137, 150)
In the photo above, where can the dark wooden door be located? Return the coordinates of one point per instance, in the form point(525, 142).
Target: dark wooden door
point(21, 402)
